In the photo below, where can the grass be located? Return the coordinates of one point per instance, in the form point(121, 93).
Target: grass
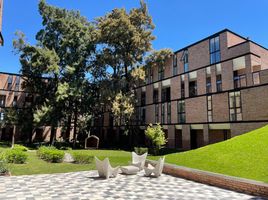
point(35, 165)
point(242, 156)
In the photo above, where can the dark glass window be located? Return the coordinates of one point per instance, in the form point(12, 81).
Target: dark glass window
point(2, 100)
point(175, 65)
point(185, 61)
point(17, 86)
point(235, 106)
point(15, 101)
point(182, 89)
point(192, 88)
point(181, 111)
point(239, 80)
point(161, 73)
point(163, 113)
point(214, 48)
point(155, 97)
point(143, 98)
point(9, 82)
point(219, 83)
point(156, 108)
point(208, 85)
point(143, 115)
point(166, 94)
point(169, 113)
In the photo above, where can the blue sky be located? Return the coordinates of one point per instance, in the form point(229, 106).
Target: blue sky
point(178, 22)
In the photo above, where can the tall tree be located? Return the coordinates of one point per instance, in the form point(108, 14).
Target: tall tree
point(124, 38)
point(61, 56)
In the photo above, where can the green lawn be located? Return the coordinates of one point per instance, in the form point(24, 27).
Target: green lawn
point(35, 165)
point(242, 156)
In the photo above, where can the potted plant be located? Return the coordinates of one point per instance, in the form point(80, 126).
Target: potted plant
point(156, 136)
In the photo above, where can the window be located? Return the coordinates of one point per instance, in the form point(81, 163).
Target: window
point(138, 115)
point(235, 106)
point(149, 75)
point(143, 115)
point(175, 65)
point(256, 78)
point(163, 113)
point(239, 80)
point(166, 94)
point(214, 49)
point(15, 101)
point(161, 73)
point(192, 88)
point(2, 100)
point(185, 61)
point(156, 109)
point(155, 96)
point(209, 100)
point(169, 113)
point(9, 82)
point(219, 83)
point(2, 116)
point(182, 89)
point(208, 85)
point(17, 82)
point(181, 111)
point(143, 98)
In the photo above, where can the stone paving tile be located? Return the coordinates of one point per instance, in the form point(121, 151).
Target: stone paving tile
point(87, 185)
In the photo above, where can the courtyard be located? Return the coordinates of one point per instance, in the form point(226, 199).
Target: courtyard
point(87, 185)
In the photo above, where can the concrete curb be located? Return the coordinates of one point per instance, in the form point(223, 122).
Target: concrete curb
point(242, 185)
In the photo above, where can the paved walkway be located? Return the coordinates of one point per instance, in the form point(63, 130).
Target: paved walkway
point(87, 185)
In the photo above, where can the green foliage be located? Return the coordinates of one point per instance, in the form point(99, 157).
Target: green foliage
point(156, 135)
point(158, 58)
point(140, 150)
point(15, 156)
point(242, 156)
point(82, 158)
point(122, 107)
point(50, 154)
point(20, 147)
point(4, 167)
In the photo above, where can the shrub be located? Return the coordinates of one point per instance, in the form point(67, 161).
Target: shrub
point(82, 158)
point(15, 156)
point(20, 147)
point(4, 167)
point(140, 150)
point(157, 137)
point(50, 154)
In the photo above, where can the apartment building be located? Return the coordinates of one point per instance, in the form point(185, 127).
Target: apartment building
point(13, 95)
point(207, 92)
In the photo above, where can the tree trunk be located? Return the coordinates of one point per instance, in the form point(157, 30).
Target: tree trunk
point(75, 128)
point(52, 135)
point(30, 136)
point(13, 137)
point(68, 129)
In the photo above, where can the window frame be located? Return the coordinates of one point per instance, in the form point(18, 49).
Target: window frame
point(181, 112)
point(214, 51)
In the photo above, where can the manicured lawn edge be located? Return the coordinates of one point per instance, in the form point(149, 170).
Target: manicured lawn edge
point(242, 185)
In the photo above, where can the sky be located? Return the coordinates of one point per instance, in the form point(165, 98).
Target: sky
point(178, 22)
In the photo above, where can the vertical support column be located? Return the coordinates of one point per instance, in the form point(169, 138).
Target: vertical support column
point(186, 137)
point(171, 136)
point(248, 70)
point(206, 134)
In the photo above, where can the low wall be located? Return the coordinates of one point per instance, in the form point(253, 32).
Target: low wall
point(242, 185)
